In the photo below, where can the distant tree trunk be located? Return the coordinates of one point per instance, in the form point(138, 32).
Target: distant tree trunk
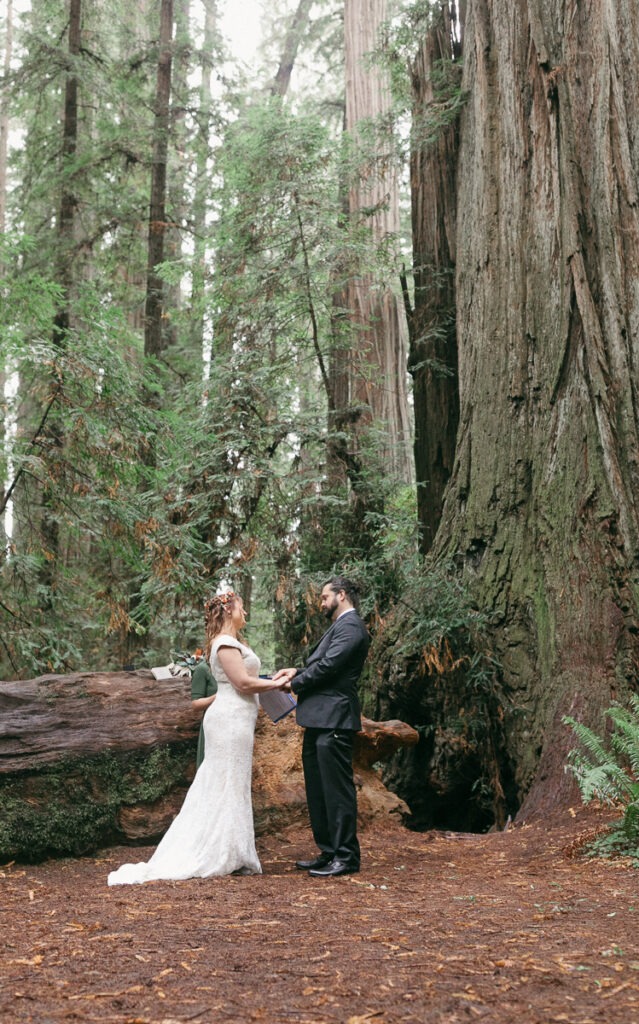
point(68, 201)
point(292, 41)
point(339, 362)
point(4, 139)
point(154, 341)
point(156, 333)
point(542, 506)
point(178, 163)
point(135, 36)
point(53, 435)
point(431, 324)
point(200, 200)
point(379, 348)
point(4, 114)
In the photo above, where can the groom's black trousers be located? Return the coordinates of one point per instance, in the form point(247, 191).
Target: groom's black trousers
point(327, 757)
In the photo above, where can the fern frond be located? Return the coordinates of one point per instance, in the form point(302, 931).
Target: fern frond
point(605, 782)
point(611, 774)
point(590, 740)
point(626, 739)
point(630, 823)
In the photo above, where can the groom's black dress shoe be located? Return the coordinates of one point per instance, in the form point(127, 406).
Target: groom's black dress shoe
point(334, 868)
point(320, 861)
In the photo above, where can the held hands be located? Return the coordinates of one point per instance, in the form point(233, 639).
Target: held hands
point(279, 681)
point(283, 678)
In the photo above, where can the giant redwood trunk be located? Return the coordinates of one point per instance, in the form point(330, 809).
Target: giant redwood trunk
point(379, 346)
point(542, 502)
point(431, 322)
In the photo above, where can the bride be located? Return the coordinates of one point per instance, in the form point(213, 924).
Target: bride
point(213, 833)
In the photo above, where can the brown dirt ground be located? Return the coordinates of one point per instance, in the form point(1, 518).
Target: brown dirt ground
point(438, 927)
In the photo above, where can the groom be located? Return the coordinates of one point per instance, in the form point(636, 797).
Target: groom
point(328, 708)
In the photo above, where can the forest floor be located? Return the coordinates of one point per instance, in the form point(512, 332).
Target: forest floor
point(438, 927)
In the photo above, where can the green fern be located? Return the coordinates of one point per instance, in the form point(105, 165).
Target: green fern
point(626, 740)
point(611, 773)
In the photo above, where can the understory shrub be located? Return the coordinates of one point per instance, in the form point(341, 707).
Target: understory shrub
point(609, 771)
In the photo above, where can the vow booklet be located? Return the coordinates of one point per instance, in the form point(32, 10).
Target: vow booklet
point(277, 704)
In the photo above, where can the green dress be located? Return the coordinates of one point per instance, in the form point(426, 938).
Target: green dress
point(202, 685)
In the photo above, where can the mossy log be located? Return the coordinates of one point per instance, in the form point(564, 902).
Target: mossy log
point(94, 758)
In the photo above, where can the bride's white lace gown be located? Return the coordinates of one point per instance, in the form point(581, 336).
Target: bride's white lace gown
point(213, 833)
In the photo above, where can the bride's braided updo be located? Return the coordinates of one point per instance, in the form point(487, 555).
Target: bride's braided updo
point(215, 615)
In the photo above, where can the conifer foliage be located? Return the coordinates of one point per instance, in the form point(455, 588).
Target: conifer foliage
point(173, 248)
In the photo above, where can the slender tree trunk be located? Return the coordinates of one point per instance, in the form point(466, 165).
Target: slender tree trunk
point(155, 329)
point(178, 164)
point(54, 435)
point(200, 203)
point(4, 140)
point(4, 114)
point(542, 505)
point(68, 201)
point(339, 362)
point(154, 341)
point(292, 41)
point(379, 349)
point(431, 324)
point(135, 37)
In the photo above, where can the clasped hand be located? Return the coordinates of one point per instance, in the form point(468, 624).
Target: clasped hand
point(284, 676)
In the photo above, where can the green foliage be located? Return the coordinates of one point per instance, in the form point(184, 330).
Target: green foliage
point(431, 665)
point(608, 770)
point(136, 485)
point(430, 662)
point(398, 54)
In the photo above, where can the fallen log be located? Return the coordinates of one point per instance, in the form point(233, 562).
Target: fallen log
point(106, 757)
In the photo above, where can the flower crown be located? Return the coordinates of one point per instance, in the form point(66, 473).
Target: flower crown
point(219, 600)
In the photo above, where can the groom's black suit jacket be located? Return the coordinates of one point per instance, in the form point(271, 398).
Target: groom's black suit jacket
point(326, 687)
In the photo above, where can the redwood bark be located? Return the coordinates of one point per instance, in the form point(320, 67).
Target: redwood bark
point(431, 323)
point(68, 201)
point(379, 350)
point(543, 501)
point(199, 209)
point(154, 306)
point(4, 140)
point(4, 113)
point(177, 195)
point(53, 433)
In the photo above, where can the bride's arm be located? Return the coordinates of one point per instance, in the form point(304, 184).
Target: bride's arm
point(233, 664)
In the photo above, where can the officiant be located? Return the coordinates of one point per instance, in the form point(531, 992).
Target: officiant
point(203, 691)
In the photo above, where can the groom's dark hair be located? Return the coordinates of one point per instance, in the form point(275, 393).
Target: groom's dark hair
point(337, 583)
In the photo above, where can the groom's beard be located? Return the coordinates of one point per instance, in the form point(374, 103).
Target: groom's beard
point(329, 612)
